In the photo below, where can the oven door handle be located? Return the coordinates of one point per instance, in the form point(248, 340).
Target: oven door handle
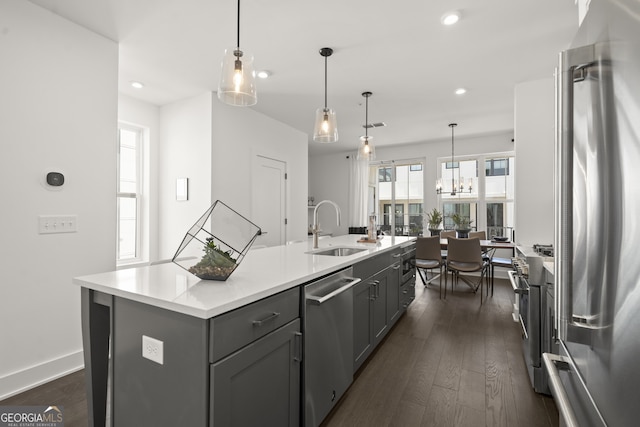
point(514, 285)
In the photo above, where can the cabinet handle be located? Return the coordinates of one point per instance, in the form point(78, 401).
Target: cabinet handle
point(377, 288)
point(396, 267)
point(397, 255)
point(266, 319)
point(297, 337)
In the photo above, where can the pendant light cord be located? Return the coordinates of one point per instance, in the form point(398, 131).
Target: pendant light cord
point(238, 45)
point(325, 83)
point(453, 187)
point(366, 119)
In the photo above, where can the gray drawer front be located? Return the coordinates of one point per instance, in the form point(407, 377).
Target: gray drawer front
point(232, 331)
point(407, 293)
point(368, 267)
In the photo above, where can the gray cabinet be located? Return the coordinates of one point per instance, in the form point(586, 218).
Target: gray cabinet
point(362, 314)
point(242, 368)
point(380, 298)
point(260, 383)
point(380, 321)
point(370, 320)
point(256, 355)
point(394, 306)
point(147, 393)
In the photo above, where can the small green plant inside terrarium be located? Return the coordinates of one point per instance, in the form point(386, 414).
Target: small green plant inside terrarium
point(215, 264)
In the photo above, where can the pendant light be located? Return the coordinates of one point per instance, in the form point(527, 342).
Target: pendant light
point(453, 184)
point(326, 127)
point(366, 149)
point(237, 79)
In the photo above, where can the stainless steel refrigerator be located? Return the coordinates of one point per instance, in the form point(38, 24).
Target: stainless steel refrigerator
point(595, 379)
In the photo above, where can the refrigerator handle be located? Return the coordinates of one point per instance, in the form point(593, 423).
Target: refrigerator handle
point(559, 393)
point(569, 61)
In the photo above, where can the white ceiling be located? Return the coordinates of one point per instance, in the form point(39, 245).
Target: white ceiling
point(397, 50)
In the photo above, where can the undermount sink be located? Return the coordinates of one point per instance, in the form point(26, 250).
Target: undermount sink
point(337, 251)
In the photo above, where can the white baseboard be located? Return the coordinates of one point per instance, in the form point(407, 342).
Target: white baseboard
point(34, 376)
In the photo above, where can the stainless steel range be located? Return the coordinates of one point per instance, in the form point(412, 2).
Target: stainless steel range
point(527, 280)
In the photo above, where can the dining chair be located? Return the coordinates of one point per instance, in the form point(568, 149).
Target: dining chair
point(482, 235)
point(465, 256)
point(428, 257)
point(486, 253)
point(445, 234)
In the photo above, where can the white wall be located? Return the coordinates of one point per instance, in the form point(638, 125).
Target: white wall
point(534, 134)
point(212, 144)
point(146, 115)
point(239, 134)
point(185, 152)
point(329, 174)
point(58, 112)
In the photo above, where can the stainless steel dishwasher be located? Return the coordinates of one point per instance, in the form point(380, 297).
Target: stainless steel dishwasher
point(328, 343)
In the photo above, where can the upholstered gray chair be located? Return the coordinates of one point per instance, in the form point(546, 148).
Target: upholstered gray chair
point(429, 257)
point(465, 256)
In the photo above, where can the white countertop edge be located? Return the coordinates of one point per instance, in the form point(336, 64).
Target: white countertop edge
point(549, 266)
point(206, 299)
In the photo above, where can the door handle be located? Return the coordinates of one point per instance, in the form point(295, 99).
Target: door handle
point(587, 64)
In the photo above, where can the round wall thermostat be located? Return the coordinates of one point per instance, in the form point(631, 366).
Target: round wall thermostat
point(55, 179)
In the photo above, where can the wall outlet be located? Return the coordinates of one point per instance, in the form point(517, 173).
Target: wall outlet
point(153, 349)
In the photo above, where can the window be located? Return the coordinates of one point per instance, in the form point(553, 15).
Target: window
point(496, 167)
point(452, 165)
point(415, 218)
point(464, 209)
point(401, 196)
point(129, 197)
point(486, 196)
point(384, 174)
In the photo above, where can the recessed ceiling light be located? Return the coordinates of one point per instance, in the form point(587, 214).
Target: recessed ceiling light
point(263, 74)
point(137, 85)
point(450, 18)
point(461, 91)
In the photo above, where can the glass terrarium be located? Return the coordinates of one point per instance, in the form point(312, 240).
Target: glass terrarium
point(216, 244)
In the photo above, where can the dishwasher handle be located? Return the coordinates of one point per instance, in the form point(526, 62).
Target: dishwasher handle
point(317, 299)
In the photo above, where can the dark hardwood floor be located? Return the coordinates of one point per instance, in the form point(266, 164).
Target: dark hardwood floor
point(68, 392)
point(446, 363)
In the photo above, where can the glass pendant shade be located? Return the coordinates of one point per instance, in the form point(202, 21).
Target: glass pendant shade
point(366, 150)
point(237, 79)
point(326, 127)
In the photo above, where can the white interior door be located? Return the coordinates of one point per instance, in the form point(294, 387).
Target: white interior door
point(268, 198)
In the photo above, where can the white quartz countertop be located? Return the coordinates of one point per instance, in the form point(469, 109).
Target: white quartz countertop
point(262, 273)
point(549, 266)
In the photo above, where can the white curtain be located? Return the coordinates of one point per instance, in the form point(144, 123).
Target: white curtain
point(358, 191)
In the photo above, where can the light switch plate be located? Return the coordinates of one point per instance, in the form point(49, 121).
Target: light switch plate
point(48, 224)
point(153, 349)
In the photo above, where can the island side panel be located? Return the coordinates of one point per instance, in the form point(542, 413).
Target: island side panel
point(96, 330)
point(147, 393)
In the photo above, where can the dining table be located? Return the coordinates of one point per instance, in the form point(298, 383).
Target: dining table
point(487, 245)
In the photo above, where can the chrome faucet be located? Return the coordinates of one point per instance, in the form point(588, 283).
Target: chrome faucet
point(316, 227)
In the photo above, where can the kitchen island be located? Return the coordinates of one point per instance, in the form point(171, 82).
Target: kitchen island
point(180, 347)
